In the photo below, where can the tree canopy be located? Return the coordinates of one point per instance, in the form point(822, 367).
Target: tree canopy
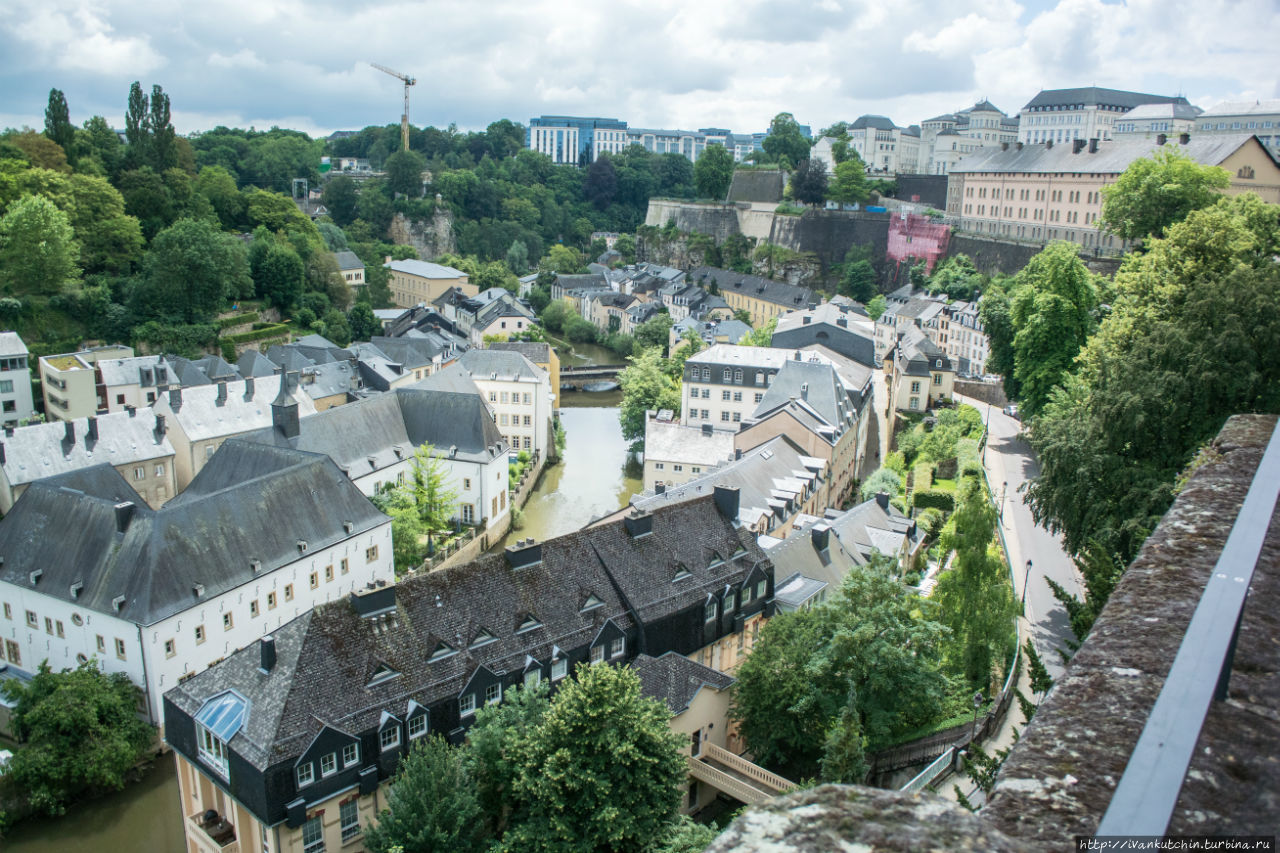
point(646, 384)
point(809, 183)
point(38, 251)
point(191, 270)
point(785, 140)
point(850, 185)
point(713, 173)
point(1155, 192)
point(431, 804)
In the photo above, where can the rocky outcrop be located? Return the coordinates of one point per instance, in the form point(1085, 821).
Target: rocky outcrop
point(431, 238)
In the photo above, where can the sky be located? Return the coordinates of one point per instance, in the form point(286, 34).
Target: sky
point(304, 64)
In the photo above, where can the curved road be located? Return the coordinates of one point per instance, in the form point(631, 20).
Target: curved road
point(1010, 464)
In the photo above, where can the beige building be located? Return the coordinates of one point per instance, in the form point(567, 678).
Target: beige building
point(947, 138)
point(69, 382)
point(1039, 193)
point(674, 454)
point(919, 373)
point(412, 282)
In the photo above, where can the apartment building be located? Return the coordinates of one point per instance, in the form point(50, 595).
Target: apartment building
point(762, 298)
point(1150, 119)
point(259, 538)
point(1259, 117)
point(15, 380)
point(362, 678)
point(675, 453)
point(1090, 112)
point(919, 373)
point(946, 139)
point(540, 355)
point(412, 281)
point(69, 383)
point(518, 392)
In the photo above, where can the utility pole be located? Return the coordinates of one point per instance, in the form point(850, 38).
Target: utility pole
point(404, 117)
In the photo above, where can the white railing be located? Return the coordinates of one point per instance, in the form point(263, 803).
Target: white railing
point(746, 768)
point(926, 777)
point(722, 781)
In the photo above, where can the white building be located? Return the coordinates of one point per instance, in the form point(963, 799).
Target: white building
point(947, 138)
point(1261, 118)
point(1151, 119)
point(260, 537)
point(15, 380)
point(518, 392)
point(674, 453)
point(1063, 115)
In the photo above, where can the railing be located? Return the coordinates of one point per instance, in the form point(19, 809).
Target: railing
point(1144, 800)
point(926, 777)
point(218, 836)
point(444, 552)
point(722, 781)
point(736, 762)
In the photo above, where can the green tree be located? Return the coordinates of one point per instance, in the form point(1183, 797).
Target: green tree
point(191, 270)
point(976, 598)
point(761, 337)
point(565, 260)
point(601, 182)
point(1155, 192)
point(80, 733)
point(997, 322)
point(38, 250)
point(809, 183)
point(218, 186)
point(363, 322)
point(404, 173)
point(136, 134)
point(340, 198)
point(162, 148)
point(602, 771)
point(419, 508)
point(876, 306)
point(858, 281)
point(850, 184)
point(57, 120)
point(100, 148)
point(1052, 314)
point(645, 385)
point(518, 257)
point(41, 151)
point(556, 313)
point(626, 246)
point(1041, 681)
point(431, 804)
point(654, 332)
point(491, 750)
point(785, 140)
point(882, 480)
point(713, 172)
point(957, 278)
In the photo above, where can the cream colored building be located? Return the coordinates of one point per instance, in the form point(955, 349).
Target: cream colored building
point(1260, 117)
point(1064, 115)
point(412, 282)
point(1039, 193)
point(674, 454)
point(69, 382)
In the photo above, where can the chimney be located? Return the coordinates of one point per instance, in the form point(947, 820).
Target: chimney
point(638, 524)
point(69, 432)
point(1004, 146)
point(1093, 145)
point(737, 454)
point(284, 411)
point(132, 410)
point(882, 498)
point(221, 399)
point(268, 646)
point(727, 499)
point(124, 515)
point(807, 320)
point(374, 602)
point(1077, 145)
point(706, 429)
point(1162, 138)
point(1019, 146)
point(658, 488)
point(93, 430)
point(248, 389)
point(524, 554)
point(175, 399)
point(2, 458)
point(1184, 138)
point(804, 390)
point(1048, 143)
point(820, 533)
point(161, 429)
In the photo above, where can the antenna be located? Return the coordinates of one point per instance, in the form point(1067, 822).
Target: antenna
point(404, 117)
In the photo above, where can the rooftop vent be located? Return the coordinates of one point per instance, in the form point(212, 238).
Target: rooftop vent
point(124, 515)
point(118, 603)
point(659, 488)
point(373, 602)
point(268, 648)
point(77, 588)
point(820, 533)
point(221, 399)
point(524, 554)
point(198, 590)
point(255, 566)
point(348, 527)
point(1077, 145)
point(1162, 138)
point(302, 546)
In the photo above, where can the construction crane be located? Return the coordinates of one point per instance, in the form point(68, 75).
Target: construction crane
point(404, 117)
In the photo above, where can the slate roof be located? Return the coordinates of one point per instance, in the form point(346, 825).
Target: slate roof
point(412, 351)
point(200, 416)
point(42, 450)
point(583, 281)
point(917, 353)
point(11, 344)
point(250, 502)
point(254, 363)
point(1112, 157)
point(348, 261)
point(453, 378)
point(984, 106)
point(854, 533)
point(815, 386)
point(841, 329)
point(536, 351)
point(797, 589)
point(128, 371)
point(377, 432)
point(1096, 96)
point(325, 658)
point(872, 121)
point(329, 379)
point(500, 364)
point(1152, 111)
point(777, 292)
point(675, 679)
point(1243, 108)
point(425, 269)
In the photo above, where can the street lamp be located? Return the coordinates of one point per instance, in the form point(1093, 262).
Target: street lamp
point(1025, 581)
point(1004, 488)
point(977, 705)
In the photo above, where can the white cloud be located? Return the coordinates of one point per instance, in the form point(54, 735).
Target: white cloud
point(77, 37)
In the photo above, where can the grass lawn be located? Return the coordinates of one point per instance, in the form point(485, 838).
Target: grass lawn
point(945, 486)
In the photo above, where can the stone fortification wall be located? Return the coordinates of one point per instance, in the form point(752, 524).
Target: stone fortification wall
point(431, 238)
point(923, 189)
point(715, 220)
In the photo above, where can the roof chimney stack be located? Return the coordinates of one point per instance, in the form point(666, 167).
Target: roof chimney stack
point(820, 533)
point(92, 436)
point(882, 498)
point(284, 411)
point(248, 389)
point(1184, 138)
point(727, 501)
point(1004, 146)
point(124, 515)
point(268, 646)
point(1077, 145)
point(221, 399)
point(1093, 145)
point(69, 433)
point(175, 399)
point(1161, 138)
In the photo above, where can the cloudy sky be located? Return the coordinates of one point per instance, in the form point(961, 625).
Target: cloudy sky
point(654, 63)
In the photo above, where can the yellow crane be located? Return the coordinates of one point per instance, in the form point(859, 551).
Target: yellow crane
point(404, 117)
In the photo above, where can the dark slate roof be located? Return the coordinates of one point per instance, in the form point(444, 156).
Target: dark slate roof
point(778, 292)
point(586, 281)
point(844, 329)
point(984, 106)
point(376, 432)
point(325, 658)
point(348, 261)
point(254, 363)
point(1096, 96)
point(537, 352)
point(676, 680)
point(250, 502)
point(873, 121)
point(1112, 157)
point(410, 352)
point(917, 353)
point(42, 450)
point(421, 317)
point(129, 371)
point(854, 534)
point(502, 364)
point(813, 385)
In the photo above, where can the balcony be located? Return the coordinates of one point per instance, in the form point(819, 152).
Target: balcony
point(212, 833)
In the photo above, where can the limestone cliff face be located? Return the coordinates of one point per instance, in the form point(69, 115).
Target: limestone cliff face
point(431, 238)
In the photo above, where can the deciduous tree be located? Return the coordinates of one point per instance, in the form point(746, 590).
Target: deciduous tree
point(404, 173)
point(809, 183)
point(713, 173)
point(1155, 192)
point(431, 804)
point(785, 140)
point(645, 385)
point(340, 197)
point(38, 250)
point(191, 270)
point(850, 184)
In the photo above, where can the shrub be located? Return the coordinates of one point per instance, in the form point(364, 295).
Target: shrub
point(922, 477)
point(895, 462)
point(932, 498)
point(881, 480)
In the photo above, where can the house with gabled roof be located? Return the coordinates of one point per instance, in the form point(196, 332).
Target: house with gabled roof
point(919, 372)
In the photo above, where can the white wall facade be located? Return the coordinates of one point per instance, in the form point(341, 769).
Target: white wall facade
point(521, 409)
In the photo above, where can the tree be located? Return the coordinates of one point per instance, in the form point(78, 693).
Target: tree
point(1155, 192)
point(80, 733)
point(761, 337)
point(191, 270)
point(997, 322)
point(491, 749)
point(555, 314)
point(809, 183)
point(976, 597)
point(645, 385)
point(136, 135)
point(859, 280)
point(99, 147)
point(601, 771)
point(654, 332)
point(218, 186)
point(957, 278)
point(38, 251)
point(518, 257)
point(419, 508)
point(882, 480)
point(57, 121)
point(602, 183)
point(1041, 681)
point(1052, 314)
point(876, 307)
point(340, 198)
point(713, 172)
point(162, 147)
point(278, 275)
point(431, 804)
point(565, 260)
point(850, 184)
point(41, 151)
point(785, 140)
point(363, 323)
point(404, 173)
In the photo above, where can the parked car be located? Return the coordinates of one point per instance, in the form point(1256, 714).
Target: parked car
point(1012, 411)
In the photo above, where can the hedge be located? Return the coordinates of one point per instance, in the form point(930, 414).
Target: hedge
point(922, 477)
point(238, 320)
point(933, 498)
point(273, 331)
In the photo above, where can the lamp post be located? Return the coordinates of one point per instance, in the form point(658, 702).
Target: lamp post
point(1025, 581)
point(1004, 488)
point(977, 704)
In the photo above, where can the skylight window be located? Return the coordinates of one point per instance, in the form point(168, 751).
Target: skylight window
point(591, 604)
point(528, 624)
point(682, 572)
point(443, 650)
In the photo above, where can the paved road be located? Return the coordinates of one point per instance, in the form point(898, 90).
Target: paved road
point(1010, 464)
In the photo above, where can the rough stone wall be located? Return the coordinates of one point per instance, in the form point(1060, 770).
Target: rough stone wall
point(714, 220)
point(923, 189)
point(828, 234)
point(757, 185)
point(993, 256)
point(431, 239)
point(987, 392)
point(1060, 776)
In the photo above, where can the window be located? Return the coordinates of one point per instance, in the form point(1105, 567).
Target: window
point(6, 386)
point(199, 637)
point(139, 473)
point(728, 374)
point(349, 819)
point(48, 625)
point(169, 648)
point(705, 414)
point(467, 704)
point(33, 621)
point(329, 764)
point(159, 470)
point(706, 393)
point(724, 395)
point(468, 514)
point(559, 668)
point(532, 678)
point(760, 588)
point(418, 726)
point(8, 611)
point(466, 483)
point(502, 420)
point(271, 601)
point(288, 592)
point(11, 650)
point(350, 754)
point(389, 738)
point(371, 554)
point(915, 387)
point(709, 612)
point(724, 416)
point(617, 647)
point(253, 609)
point(227, 621)
point(315, 579)
point(695, 469)
point(597, 654)
point(677, 467)
point(212, 750)
point(312, 834)
point(915, 403)
point(528, 420)
point(120, 648)
point(937, 379)
point(493, 694)
point(737, 396)
point(758, 396)
point(737, 417)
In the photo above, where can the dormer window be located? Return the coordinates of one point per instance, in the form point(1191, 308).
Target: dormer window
point(709, 612)
point(467, 705)
point(484, 638)
point(528, 624)
point(716, 560)
point(382, 674)
point(306, 774)
point(592, 603)
point(442, 651)
point(389, 738)
point(682, 573)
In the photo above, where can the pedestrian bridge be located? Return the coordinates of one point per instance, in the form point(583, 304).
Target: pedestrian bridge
point(736, 776)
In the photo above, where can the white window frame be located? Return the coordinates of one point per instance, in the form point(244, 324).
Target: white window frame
point(467, 704)
point(316, 826)
point(559, 668)
point(350, 754)
point(417, 726)
point(349, 820)
point(304, 774)
point(213, 751)
point(329, 764)
point(597, 654)
point(383, 743)
point(532, 678)
point(493, 694)
point(617, 647)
